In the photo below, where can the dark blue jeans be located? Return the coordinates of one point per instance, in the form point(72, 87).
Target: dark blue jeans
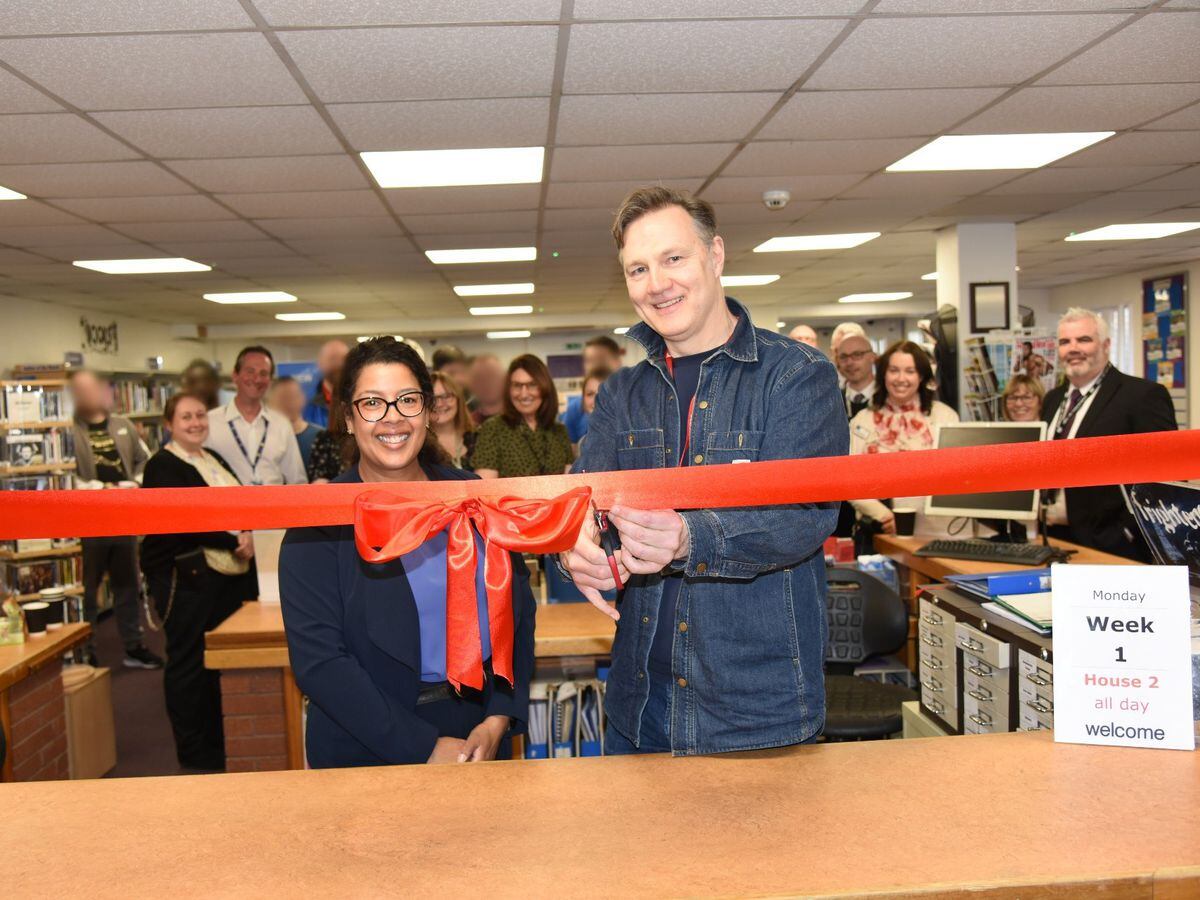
point(655, 734)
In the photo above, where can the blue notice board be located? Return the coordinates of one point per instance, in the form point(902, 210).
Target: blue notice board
point(1164, 330)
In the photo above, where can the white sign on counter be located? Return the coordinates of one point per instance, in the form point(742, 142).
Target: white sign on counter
point(1122, 656)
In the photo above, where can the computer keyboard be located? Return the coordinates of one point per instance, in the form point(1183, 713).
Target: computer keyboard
point(990, 551)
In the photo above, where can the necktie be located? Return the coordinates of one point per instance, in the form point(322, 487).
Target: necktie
point(1068, 416)
point(857, 404)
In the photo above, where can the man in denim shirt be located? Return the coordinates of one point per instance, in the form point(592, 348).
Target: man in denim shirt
point(721, 632)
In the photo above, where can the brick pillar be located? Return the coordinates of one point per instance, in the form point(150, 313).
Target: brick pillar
point(252, 704)
point(38, 739)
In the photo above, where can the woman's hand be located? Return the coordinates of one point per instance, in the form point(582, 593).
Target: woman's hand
point(447, 750)
point(887, 522)
point(245, 547)
point(484, 740)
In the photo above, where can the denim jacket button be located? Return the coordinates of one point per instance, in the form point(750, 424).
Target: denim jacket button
point(701, 568)
point(703, 404)
point(641, 675)
point(699, 458)
point(683, 626)
point(645, 620)
point(682, 682)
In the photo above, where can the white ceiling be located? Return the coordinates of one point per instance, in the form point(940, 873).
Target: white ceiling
point(228, 131)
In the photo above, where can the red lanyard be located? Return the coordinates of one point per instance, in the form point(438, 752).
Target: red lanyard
point(687, 439)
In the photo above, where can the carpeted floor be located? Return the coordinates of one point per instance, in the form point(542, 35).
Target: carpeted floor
point(144, 742)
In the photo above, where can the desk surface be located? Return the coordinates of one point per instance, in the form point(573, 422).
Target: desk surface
point(1010, 809)
point(18, 660)
point(903, 550)
point(253, 636)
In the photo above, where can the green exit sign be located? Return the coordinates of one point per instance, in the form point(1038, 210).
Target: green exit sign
point(575, 345)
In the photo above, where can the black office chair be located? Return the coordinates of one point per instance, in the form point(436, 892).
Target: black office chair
point(866, 618)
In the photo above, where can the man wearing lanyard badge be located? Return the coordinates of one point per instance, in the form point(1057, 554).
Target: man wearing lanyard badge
point(721, 626)
point(258, 443)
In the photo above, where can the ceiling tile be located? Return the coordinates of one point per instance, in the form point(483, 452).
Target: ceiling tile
point(712, 9)
point(813, 115)
point(425, 63)
point(31, 212)
point(490, 239)
point(638, 56)
point(160, 70)
point(367, 226)
point(1013, 205)
point(819, 157)
point(219, 251)
point(1060, 179)
point(276, 173)
point(228, 131)
point(1141, 148)
point(554, 220)
point(411, 12)
point(1123, 57)
point(1185, 118)
point(469, 223)
point(121, 15)
point(659, 118)
point(111, 179)
point(663, 162)
point(484, 198)
point(187, 207)
point(1080, 108)
point(1012, 6)
point(18, 97)
point(60, 236)
point(921, 184)
point(443, 124)
point(1137, 201)
point(1183, 180)
point(56, 137)
point(154, 232)
point(306, 204)
point(601, 194)
point(733, 189)
point(758, 214)
point(955, 52)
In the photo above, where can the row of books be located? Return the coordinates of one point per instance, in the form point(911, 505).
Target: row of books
point(24, 578)
point(37, 448)
point(565, 719)
point(34, 403)
point(61, 481)
point(134, 397)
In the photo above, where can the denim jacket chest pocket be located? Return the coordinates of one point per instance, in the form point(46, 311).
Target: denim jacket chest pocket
point(641, 448)
point(731, 446)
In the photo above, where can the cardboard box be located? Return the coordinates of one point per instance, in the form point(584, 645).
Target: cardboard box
point(91, 735)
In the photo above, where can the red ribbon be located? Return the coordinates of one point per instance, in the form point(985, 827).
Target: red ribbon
point(387, 526)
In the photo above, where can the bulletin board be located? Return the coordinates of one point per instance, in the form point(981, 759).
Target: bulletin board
point(1164, 330)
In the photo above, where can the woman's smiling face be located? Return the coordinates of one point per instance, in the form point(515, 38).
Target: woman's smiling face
point(388, 448)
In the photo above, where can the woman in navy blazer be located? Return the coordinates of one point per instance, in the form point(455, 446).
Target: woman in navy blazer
point(367, 640)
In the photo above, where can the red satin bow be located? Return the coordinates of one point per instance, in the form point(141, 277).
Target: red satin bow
point(386, 527)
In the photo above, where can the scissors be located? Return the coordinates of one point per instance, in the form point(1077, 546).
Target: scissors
point(610, 542)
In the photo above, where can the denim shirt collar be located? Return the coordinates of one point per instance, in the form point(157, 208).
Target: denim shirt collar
point(741, 346)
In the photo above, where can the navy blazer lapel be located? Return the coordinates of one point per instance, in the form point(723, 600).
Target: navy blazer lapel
point(391, 610)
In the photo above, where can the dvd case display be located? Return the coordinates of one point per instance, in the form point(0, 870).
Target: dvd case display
point(34, 402)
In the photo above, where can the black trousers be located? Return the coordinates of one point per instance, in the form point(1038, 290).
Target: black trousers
point(118, 556)
point(193, 693)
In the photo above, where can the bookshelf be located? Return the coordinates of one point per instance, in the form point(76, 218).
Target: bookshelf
point(140, 397)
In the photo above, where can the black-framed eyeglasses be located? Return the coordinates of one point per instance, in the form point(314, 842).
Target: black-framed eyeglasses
point(855, 356)
point(441, 401)
point(373, 409)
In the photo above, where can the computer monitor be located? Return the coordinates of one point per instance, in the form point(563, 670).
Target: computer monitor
point(1001, 505)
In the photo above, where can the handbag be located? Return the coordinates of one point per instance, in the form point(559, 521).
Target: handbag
point(189, 571)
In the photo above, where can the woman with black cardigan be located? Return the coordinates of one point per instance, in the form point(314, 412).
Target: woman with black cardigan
point(197, 581)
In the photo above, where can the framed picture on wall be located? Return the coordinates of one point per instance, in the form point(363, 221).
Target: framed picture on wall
point(989, 306)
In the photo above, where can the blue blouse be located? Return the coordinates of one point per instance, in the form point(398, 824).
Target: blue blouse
point(426, 571)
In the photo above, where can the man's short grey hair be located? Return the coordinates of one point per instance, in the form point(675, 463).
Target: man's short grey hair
point(844, 331)
point(1079, 314)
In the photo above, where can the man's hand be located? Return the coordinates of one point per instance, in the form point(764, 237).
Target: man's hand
point(447, 750)
point(484, 740)
point(590, 570)
point(651, 539)
point(887, 522)
point(245, 545)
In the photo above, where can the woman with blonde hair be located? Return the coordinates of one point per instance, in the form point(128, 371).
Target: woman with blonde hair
point(450, 420)
point(1023, 396)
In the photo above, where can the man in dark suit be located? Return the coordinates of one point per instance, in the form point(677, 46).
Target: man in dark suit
point(1096, 400)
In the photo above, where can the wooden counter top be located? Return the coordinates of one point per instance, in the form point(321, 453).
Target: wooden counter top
point(1002, 809)
point(253, 636)
point(18, 660)
point(903, 550)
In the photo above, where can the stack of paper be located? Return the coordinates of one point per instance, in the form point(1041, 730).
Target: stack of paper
point(1031, 610)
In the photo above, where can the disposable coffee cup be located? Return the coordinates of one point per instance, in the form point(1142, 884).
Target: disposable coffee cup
point(36, 614)
point(906, 520)
point(55, 599)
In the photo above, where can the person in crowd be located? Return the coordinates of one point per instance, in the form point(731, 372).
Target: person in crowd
point(1098, 400)
point(1023, 396)
point(287, 398)
point(331, 451)
point(903, 415)
point(805, 335)
point(450, 422)
point(202, 379)
point(367, 641)
point(721, 632)
point(329, 362)
point(856, 363)
point(109, 454)
point(601, 352)
point(486, 377)
point(525, 439)
point(591, 387)
point(842, 331)
point(196, 580)
point(453, 362)
point(258, 443)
